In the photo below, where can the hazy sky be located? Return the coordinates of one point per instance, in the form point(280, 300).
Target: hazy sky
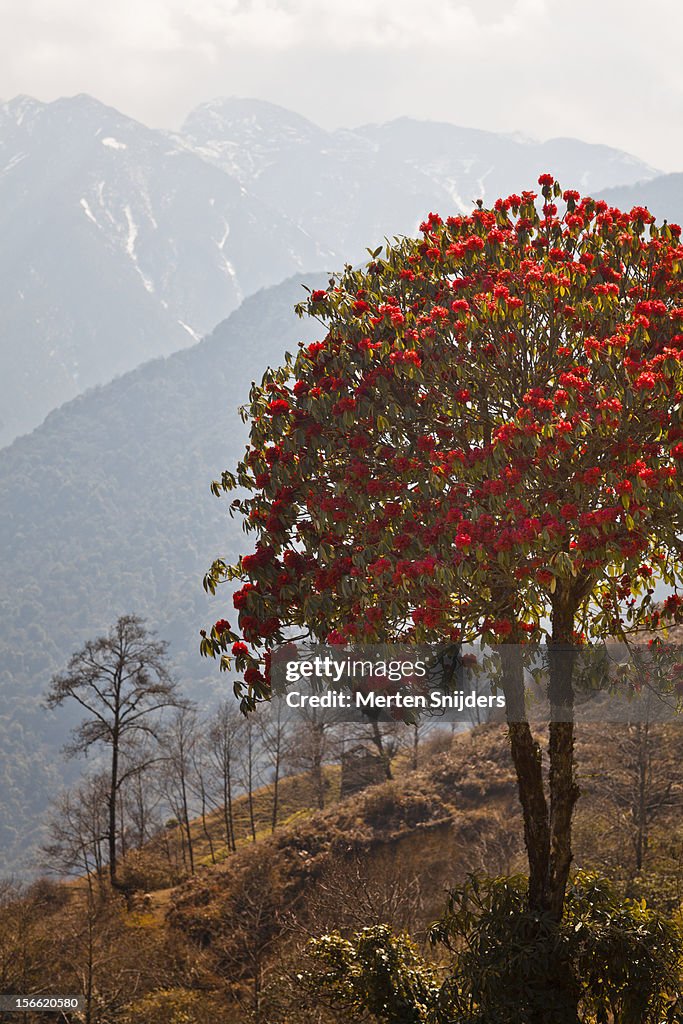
point(601, 70)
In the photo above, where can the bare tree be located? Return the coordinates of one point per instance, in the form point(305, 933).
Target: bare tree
point(310, 747)
point(180, 744)
point(274, 728)
point(200, 784)
point(224, 733)
point(253, 923)
point(248, 762)
point(141, 792)
point(105, 960)
point(640, 785)
point(384, 736)
point(122, 682)
point(27, 942)
point(78, 830)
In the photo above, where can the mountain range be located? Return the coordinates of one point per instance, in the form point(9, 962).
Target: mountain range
point(119, 243)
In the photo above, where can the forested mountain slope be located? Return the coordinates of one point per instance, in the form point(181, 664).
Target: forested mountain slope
point(106, 509)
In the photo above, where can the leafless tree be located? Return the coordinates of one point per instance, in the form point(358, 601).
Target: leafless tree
point(78, 830)
point(312, 746)
point(122, 682)
point(225, 729)
point(142, 792)
point(248, 761)
point(274, 729)
point(179, 743)
point(639, 784)
point(200, 783)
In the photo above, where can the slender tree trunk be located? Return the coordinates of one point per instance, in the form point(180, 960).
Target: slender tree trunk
point(205, 828)
point(227, 809)
point(122, 827)
point(250, 780)
point(186, 822)
point(167, 846)
point(141, 811)
point(180, 829)
point(113, 788)
point(89, 977)
point(379, 743)
point(316, 763)
point(276, 792)
point(318, 777)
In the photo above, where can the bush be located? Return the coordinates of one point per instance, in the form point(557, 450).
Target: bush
point(376, 972)
point(613, 958)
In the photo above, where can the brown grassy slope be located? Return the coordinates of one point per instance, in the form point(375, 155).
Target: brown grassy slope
point(457, 814)
point(384, 855)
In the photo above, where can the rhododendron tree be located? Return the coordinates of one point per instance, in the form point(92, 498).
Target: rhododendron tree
point(486, 443)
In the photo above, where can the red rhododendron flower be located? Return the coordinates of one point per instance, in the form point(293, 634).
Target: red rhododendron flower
point(279, 406)
point(253, 677)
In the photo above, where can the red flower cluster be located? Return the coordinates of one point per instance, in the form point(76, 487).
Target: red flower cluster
point(490, 424)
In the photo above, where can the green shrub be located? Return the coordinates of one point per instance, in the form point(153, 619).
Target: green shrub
point(611, 960)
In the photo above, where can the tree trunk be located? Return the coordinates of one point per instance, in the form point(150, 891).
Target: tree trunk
point(526, 757)
point(547, 820)
point(564, 791)
point(641, 805)
point(227, 809)
point(318, 777)
point(113, 787)
point(122, 827)
point(205, 827)
point(186, 821)
point(250, 780)
point(379, 743)
point(276, 792)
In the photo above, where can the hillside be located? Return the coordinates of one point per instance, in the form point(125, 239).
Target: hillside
point(459, 813)
point(385, 855)
point(106, 509)
point(663, 196)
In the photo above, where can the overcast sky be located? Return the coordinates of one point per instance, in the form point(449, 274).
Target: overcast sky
point(601, 70)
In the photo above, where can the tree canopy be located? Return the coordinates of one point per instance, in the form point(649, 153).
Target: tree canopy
point(488, 438)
